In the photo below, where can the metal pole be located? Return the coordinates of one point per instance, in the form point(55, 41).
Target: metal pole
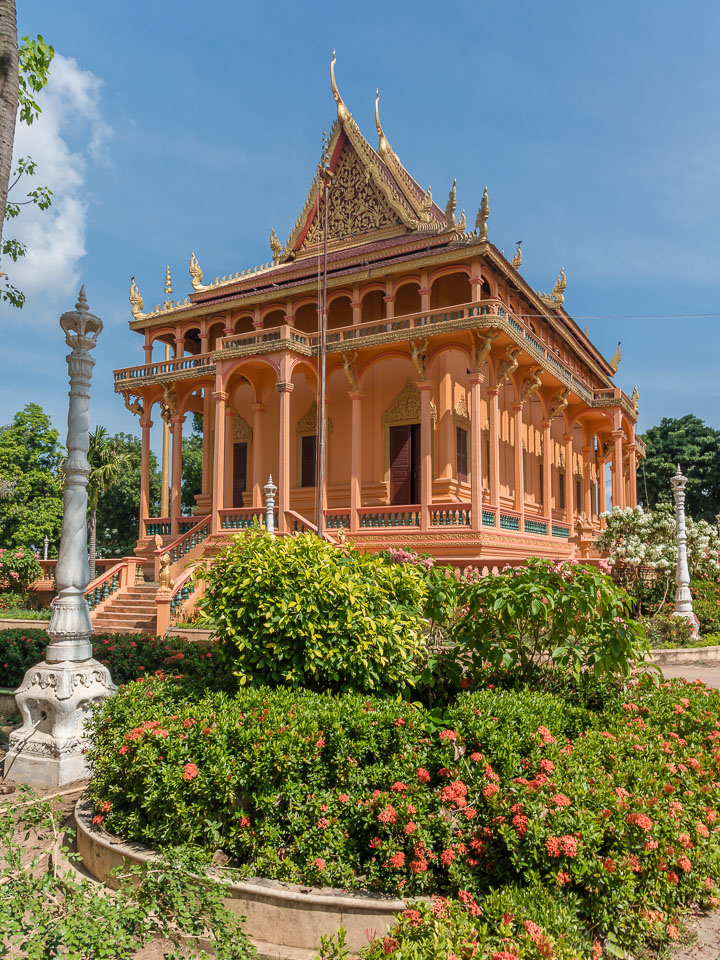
point(320, 489)
point(165, 482)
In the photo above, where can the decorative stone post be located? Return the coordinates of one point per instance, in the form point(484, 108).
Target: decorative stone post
point(56, 696)
point(46, 545)
point(683, 598)
point(270, 491)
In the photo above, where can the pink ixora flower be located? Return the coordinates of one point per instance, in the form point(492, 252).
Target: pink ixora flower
point(190, 771)
point(448, 735)
point(319, 863)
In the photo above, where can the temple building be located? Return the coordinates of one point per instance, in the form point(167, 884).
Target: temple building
point(467, 415)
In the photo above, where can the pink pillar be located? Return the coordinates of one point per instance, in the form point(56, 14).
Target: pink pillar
point(176, 488)
point(632, 475)
point(389, 307)
point(204, 341)
point(547, 504)
point(207, 446)
point(148, 347)
point(517, 409)
point(587, 481)
point(569, 481)
point(229, 459)
point(258, 409)
point(602, 496)
point(618, 488)
point(179, 347)
point(285, 388)
point(356, 311)
point(145, 425)
point(220, 397)
point(355, 459)
point(425, 388)
point(493, 400)
point(476, 380)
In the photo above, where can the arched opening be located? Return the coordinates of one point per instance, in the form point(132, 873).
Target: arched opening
point(485, 291)
point(243, 324)
point(306, 318)
point(450, 289)
point(407, 299)
point(158, 347)
point(339, 313)
point(275, 318)
point(216, 332)
point(373, 306)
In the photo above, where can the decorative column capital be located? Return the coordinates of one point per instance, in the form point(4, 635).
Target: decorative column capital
point(516, 406)
point(425, 291)
point(178, 418)
point(618, 435)
point(493, 391)
point(146, 423)
point(424, 386)
point(220, 395)
point(545, 424)
point(258, 407)
point(285, 386)
point(476, 379)
point(389, 298)
point(356, 394)
point(567, 438)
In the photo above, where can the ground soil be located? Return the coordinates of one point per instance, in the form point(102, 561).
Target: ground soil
point(704, 932)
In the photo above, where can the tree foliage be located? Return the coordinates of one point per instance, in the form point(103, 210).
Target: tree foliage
point(192, 459)
point(30, 480)
point(118, 508)
point(694, 445)
point(107, 462)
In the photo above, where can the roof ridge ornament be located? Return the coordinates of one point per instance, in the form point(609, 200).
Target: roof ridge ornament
point(557, 294)
point(275, 246)
point(136, 301)
point(383, 145)
point(483, 214)
point(615, 359)
point(451, 205)
point(342, 111)
point(196, 274)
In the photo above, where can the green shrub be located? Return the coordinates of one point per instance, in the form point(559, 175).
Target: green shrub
point(298, 611)
point(17, 606)
point(571, 615)
point(615, 812)
point(128, 656)
point(19, 569)
point(665, 631)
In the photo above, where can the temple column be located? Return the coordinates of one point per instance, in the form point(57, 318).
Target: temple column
point(425, 388)
point(602, 496)
point(587, 480)
point(145, 425)
point(356, 311)
point(475, 380)
point(258, 409)
point(494, 466)
point(148, 347)
point(618, 488)
point(229, 457)
point(176, 488)
point(445, 451)
point(389, 301)
point(257, 321)
point(517, 409)
point(632, 475)
point(207, 448)
point(547, 471)
point(285, 388)
point(220, 397)
point(569, 479)
point(355, 458)
point(179, 347)
point(424, 292)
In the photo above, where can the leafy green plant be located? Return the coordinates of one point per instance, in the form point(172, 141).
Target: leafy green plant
point(298, 611)
point(568, 614)
point(664, 630)
point(19, 569)
point(48, 910)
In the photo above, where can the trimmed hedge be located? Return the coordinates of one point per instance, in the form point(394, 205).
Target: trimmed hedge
point(615, 811)
point(128, 656)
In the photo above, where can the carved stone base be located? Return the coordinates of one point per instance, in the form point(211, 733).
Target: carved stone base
point(54, 700)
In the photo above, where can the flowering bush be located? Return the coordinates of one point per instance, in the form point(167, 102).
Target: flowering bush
point(636, 536)
point(299, 612)
point(570, 614)
point(665, 631)
point(128, 656)
point(19, 569)
point(706, 604)
point(616, 811)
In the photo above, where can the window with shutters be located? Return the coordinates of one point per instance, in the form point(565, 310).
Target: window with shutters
point(561, 490)
point(461, 451)
point(308, 456)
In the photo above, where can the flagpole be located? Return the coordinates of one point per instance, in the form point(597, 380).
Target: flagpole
point(326, 176)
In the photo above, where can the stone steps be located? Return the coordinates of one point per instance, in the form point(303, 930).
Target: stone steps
point(132, 611)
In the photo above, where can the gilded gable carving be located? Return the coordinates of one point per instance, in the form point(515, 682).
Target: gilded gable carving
point(356, 205)
point(461, 415)
point(407, 407)
point(308, 425)
point(241, 430)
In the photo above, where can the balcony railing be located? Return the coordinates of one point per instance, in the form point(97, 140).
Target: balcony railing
point(460, 316)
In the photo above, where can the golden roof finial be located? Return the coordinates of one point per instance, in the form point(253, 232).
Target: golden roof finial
point(558, 290)
point(136, 301)
point(426, 205)
point(451, 205)
point(615, 359)
point(517, 259)
point(483, 214)
point(196, 273)
point(168, 280)
point(635, 398)
point(342, 111)
point(383, 145)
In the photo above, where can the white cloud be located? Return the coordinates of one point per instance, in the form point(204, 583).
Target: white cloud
point(69, 132)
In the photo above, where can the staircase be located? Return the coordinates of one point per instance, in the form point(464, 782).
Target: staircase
point(133, 610)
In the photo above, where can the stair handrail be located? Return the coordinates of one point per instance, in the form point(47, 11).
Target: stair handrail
point(166, 600)
point(111, 581)
point(308, 524)
point(177, 544)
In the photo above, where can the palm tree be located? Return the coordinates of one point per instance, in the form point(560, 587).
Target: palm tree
point(106, 464)
point(9, 84)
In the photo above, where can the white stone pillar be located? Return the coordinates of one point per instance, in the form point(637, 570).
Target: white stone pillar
point(683, 597)
point(56, 696)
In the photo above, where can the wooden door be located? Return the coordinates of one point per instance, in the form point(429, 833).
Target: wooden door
point(308, 459)
point(239, 473)
point(404, 463)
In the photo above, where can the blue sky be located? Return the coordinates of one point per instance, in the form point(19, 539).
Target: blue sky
point(173, 126)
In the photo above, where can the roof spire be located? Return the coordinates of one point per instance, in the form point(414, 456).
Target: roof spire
point(483, 214)
point(168, 280)
point(342, 111)
point(451, 206)
point(383, 145)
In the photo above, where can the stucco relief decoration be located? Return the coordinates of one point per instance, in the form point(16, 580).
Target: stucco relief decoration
point(242, 432)
point(407, 406)
point(461, 415)
point(169, 403)
point(483, 344)
point(508, 365)
point(558, 403)
point(355, 204)
point(531, 383)
point(308, 425)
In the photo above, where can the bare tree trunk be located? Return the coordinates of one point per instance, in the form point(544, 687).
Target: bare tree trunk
point(8, 96)
point(92, 549)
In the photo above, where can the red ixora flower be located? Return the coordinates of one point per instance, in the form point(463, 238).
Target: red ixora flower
point(423, 775)
point(98, 819)
point(319, 863)
point(448, 735)
point(190, 771)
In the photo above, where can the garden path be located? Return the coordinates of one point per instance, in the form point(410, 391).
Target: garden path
point(709, 673)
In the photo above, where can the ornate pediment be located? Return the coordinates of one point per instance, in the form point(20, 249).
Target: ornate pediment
point(406, 407)
point(308, 425)
point(241, 430)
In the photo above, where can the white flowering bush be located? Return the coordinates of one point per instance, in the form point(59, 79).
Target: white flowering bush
point(638, 537)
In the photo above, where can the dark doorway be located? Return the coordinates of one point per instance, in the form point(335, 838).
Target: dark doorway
point(308, 457)
point(405, 464)
point(239, 473)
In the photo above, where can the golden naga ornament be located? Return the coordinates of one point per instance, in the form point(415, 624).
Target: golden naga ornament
point(484, 342)
point(483, 214)
point(531, 383)
point(557, 294)
point(426, 205)
point(275, 246)
point(196, 274)
point(451, 205)
point(517, 259)
point(342, 111)
point(136, 300)
point(616, 358)
point(558, 403)
point(635, 398)
point(134, 406)
point(509, 364)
